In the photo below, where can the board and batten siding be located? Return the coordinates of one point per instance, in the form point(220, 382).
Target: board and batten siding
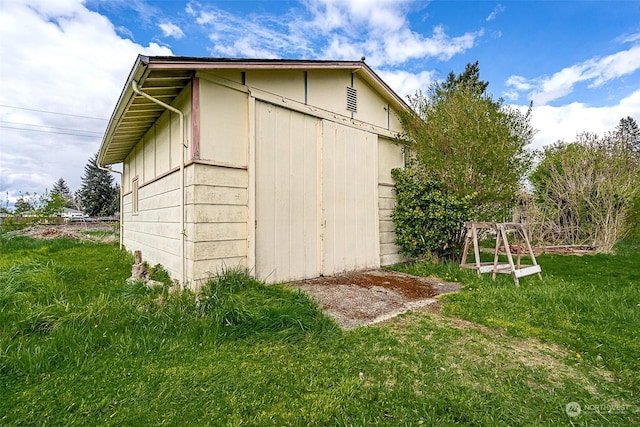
point(288, 217)
point(349, 199)
point(316, 196)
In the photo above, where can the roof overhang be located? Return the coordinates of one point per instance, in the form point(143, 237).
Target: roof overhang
point(164, 78)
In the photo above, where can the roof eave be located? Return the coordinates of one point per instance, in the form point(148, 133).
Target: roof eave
point(144, 65)
point(126, 98)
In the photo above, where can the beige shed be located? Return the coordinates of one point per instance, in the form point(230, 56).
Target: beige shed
point(279, 166)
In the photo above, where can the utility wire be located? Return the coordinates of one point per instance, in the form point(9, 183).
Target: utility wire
point(48, 127)
point(50, 131)
point(52, 112)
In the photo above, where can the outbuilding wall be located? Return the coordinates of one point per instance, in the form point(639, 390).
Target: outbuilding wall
point(220, 231)
point(154, 163)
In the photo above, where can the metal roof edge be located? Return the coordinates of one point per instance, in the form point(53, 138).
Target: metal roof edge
point(137, 71)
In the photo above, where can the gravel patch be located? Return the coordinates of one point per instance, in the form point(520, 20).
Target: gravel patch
point(368, 297)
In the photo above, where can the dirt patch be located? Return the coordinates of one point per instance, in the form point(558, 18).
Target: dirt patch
point(362, 298)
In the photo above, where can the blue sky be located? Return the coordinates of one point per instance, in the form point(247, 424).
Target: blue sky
point(579, 61)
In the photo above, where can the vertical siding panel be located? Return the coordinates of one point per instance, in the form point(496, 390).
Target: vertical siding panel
point(265, 192)
point(328, 193)
point(312, 225)
point(296, 189)
point(282, 175)
point(349, 199)
point(287, 236)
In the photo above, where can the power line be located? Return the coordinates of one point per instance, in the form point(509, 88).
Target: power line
point(48, 127)
point(50, 131)
point(52, 112)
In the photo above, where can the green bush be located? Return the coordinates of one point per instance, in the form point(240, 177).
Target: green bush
point(428, 219)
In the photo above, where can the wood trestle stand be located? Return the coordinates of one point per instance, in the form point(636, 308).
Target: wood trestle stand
point(501, 229)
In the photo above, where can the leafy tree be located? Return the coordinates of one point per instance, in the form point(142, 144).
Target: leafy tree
point(468, 80)
point(586, 191)
point(628, 133)
point(468, 142)
point(97, 191)
point(4, 206)
point(62, 189)
point(39, 206)
point(50, 205)
point(22, 204)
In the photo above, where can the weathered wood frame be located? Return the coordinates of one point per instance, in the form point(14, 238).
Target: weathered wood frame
point(517, 270)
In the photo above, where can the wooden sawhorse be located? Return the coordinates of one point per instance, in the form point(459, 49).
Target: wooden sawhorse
point(501, 229)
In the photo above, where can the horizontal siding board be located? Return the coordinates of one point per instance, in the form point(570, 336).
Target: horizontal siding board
point(216, 213)
point(161, 243)
point(386, 191)
point(169, 214)
point(388, 248)
point(162, 184)
point(167, 229)
point(213, 231)
point(386, 226)
point(391, 259)
point(219, 195)
point(386, 202)
point(387, 237)
point(385, 214)
point(220, 249)
point(216, 175)
point(159, 201)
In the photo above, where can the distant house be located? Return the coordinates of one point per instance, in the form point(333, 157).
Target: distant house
point(70, 214)
point(279, 166)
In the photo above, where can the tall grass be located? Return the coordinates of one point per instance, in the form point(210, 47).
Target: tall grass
point(81, 346)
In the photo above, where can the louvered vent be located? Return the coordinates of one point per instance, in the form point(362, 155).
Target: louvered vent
point(352, 100)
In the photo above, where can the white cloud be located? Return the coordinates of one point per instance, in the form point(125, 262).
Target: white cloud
point(629, 38)
point(382, 15)
point(69, 60)
point(596, 70)
point(405, 44)
point(564, 122)
point(171, 30)
point(497, 11)
point(518, 83)
point(339, 29)
point(405, 83)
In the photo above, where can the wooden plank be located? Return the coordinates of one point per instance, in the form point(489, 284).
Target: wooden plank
point(527, 271)
point(499, 268)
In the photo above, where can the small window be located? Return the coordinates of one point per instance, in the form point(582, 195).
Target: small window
point(352, 100)
point(134, 195)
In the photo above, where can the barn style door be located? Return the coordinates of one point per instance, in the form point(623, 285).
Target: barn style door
point(287, 204)
point(316, 201)
point(349, 199)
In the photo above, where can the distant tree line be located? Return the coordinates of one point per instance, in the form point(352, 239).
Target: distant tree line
point(97, 196)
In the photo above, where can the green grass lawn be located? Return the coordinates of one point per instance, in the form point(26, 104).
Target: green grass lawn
point(79, 346)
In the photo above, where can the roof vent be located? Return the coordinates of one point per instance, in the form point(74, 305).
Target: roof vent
point(352, 100)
